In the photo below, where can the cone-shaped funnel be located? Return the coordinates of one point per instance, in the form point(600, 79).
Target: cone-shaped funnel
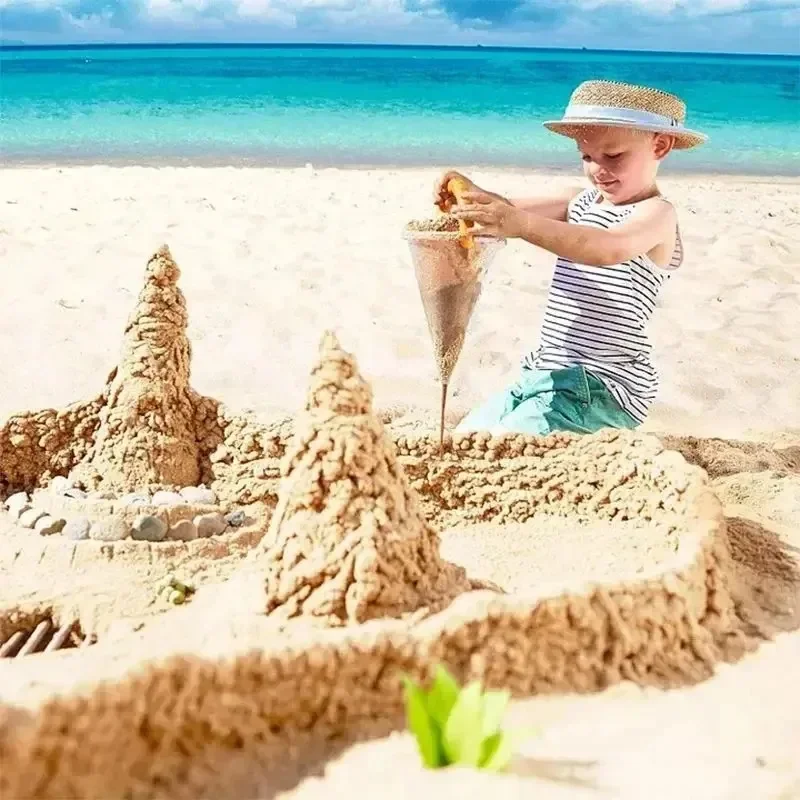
point(450, 278)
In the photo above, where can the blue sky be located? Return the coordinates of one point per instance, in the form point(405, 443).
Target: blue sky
point(704, 25)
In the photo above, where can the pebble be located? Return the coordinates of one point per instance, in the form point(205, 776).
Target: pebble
point(235, 519)
point(109, 530)
point(147, 528)
point(60, 484)
point(77, 529)
point(209, 525)
point(135, 499)
point(17, 501)
point(75, 494)
point(30, 517)
point(176, 598)
point(168, 499)
point(47, 525)
point(183, 531)
point(199, 495)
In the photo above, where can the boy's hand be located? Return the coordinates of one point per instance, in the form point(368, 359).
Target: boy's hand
point(496, 216)
point(443, 197)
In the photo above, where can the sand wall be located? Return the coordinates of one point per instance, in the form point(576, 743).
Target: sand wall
point(162, 726)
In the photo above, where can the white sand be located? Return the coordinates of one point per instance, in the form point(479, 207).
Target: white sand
point(532, 557)
point(271, 257)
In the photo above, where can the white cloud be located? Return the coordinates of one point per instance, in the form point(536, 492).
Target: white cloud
point(404, 21)
point(369, 7)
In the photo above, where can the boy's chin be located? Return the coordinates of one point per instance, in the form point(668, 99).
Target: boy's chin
point(611, 188)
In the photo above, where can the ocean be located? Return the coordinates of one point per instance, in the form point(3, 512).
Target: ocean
point(371, 105)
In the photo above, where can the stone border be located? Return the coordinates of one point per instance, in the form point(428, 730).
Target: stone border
point(183, 516)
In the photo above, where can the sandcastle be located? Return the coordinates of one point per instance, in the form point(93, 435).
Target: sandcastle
point(127, 464)
point(362, 574)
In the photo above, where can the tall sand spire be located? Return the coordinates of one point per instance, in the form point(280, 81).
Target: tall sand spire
point(146, 433)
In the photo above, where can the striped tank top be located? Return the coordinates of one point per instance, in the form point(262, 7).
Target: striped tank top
point(597, 317)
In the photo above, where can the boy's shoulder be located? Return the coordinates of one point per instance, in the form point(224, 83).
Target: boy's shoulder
point(658, 208)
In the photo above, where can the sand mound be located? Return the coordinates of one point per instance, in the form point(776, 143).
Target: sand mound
point(146, 427)
point(348, 542)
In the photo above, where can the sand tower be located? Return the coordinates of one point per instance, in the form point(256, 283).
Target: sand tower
point(348, 542)
point(146, 434)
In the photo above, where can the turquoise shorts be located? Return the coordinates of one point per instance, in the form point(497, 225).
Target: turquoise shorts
point(541, 402)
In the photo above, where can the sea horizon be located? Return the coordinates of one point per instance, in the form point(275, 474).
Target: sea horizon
point(371, 105)
point(222, 45)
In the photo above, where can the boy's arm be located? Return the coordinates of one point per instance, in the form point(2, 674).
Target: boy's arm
point(552, 206)
point(650, 225)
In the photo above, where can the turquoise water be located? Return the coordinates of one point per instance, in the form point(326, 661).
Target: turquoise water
point(371, 105)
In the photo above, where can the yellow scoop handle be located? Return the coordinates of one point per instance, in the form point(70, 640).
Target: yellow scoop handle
point(457, 187)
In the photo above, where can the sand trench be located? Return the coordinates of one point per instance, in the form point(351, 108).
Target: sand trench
point(367, 554)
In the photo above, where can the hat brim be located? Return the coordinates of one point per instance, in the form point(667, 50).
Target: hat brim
point(684, 138)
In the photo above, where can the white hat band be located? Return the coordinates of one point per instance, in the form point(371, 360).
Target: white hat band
point(632, 116)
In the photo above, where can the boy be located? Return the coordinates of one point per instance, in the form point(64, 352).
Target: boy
point(615, 244)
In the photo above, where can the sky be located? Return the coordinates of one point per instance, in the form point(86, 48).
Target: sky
point(764, 26)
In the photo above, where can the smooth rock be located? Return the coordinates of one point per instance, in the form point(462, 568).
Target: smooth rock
point(199, 495)
point(75, 494)
point(147, 528)
point(183, 531)
point(47, 525)
point(18, 512)
point(113, 529)
point(135, 499)
point(60, 484)
point(236, 518)
point(17, 501)
point(77, 529)
point(209, 525)
point(30, 517)
point(168, 499)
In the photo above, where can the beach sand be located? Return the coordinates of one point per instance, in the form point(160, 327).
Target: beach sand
point(270, 258)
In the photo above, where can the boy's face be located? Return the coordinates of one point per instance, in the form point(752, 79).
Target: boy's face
point(621, 162)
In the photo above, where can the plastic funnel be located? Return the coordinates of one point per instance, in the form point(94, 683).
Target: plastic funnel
point(450, 279)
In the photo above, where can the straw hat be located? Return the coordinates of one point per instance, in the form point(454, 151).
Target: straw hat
point(624, 105)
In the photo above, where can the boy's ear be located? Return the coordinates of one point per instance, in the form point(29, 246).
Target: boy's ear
point(662, 144)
